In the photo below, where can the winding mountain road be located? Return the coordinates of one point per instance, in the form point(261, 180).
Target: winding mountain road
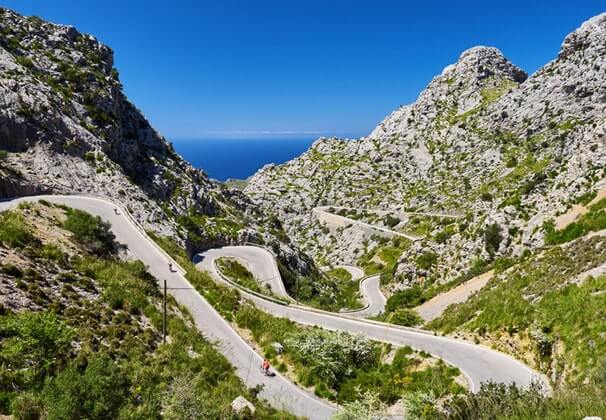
point(369, 287)
point(279, 391)
point(323, 214)
point(477, 363)
point(372, 295)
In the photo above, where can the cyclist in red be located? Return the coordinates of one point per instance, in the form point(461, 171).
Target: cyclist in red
point(265, 366)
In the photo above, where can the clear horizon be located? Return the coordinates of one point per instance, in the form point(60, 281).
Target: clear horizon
point(209, 70)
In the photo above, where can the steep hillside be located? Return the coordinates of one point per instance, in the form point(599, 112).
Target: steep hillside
point(67, 127)
point(506, 151)
point(81, 329)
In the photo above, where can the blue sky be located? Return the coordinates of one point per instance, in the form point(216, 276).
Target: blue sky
point(265, 68)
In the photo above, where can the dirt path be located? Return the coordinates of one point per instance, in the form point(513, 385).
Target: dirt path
point(433, 308)
point(577, 211)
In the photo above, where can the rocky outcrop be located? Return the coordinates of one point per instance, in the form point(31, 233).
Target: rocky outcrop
point(482, 139)
point(67, 127)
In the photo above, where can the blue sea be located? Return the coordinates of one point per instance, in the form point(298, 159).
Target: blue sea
point(231, 158)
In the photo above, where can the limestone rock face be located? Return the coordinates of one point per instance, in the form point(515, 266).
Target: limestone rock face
point(70, 128)
point(483, 140)
point(67, 127)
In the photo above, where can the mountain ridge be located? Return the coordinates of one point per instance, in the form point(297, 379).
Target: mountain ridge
point(482, 138)
point(66, 127)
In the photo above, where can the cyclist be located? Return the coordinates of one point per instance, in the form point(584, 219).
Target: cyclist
point(265, 366)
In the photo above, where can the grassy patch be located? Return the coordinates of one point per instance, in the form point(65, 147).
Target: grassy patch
point(591, 221)
point(387, 252)
point(14, 232)
point(239, 274)
point(349, 291)
point(535, 300)
point(91, 232)
point(340, 274)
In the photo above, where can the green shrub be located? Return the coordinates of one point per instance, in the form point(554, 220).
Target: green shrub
point(27, 406)
point(511, 162)
point(53, 253)
point(407, 298)
point(14, 233)
point(330, 356)
point(91, 232)
point(492, 238)
point(486, 196)
point(365, 406)
point(12, 270)
point(405, 317)
point(420, 405)
point(426, 260)
point(3, 154)
point(95, 392)
point(390, 221)
point(90, 157)
point(33, 343)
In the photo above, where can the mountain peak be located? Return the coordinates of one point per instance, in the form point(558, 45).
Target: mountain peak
point(484, 62)
point(591, 34)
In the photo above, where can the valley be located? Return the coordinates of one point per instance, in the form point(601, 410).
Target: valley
point(451, 264)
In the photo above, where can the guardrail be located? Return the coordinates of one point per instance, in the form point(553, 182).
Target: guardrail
point(301, 304)
point(297, 304)
point(246, 289)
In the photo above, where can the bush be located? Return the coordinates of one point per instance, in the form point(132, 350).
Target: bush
point(426, 260)
point(492, 238)
point(95, 392)
point(32, 345)
point(14, 233)
point(367, 406)
point(406, 317)
point(486, 196)
point(443, 236)
point(407, 298)
point(420, 405)
point(390, 220)
point(183, 400)
point(330, 356)
point(27, 406)
point(91, 232)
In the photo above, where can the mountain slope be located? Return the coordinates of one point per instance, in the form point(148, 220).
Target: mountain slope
point(67, 127)
point(81, 329)
point(483, 140)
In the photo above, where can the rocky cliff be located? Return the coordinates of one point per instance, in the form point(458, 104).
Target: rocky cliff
point(67, 127)
point(506, 151)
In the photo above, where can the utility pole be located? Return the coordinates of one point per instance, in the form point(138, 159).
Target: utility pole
point(164, 319)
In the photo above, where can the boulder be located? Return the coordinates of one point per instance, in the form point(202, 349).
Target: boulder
point(241, 404)
point(279, 348)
